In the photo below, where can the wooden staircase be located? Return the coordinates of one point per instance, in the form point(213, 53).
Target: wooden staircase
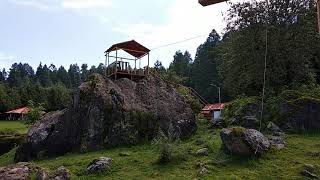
point(192, 91)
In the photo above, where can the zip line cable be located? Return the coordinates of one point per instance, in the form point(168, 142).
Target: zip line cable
point(178, 42)
point(265, 65)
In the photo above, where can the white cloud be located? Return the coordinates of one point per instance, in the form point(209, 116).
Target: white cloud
point(85, 4)
point(4, 57)
point(40, 4)
point(68, 4)
point(185, 19)
point(6, 60)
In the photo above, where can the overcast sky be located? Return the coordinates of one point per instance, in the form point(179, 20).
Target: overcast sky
point(79, 31)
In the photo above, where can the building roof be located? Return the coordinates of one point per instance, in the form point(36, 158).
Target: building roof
point(23, 110)
point(132, 47)
point(210, 2)
point(211, 107)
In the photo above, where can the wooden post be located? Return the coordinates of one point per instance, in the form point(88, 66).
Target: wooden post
point(108, 60)
point(105, 64)
point(318, 13)
point(135, 66)
point(115, 74)
point(148, 64)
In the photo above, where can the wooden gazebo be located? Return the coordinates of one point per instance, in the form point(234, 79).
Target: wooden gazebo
point(119, 67)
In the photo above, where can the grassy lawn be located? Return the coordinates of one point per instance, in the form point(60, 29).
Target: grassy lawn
point(17, 126)
point(142, 161)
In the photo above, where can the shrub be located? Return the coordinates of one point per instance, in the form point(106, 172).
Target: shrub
point(190, 99)
point(238, 131)
point(166, 145)
point(239, 108)
point(35, 112)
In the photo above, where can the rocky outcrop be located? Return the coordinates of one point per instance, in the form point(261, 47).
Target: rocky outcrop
point(24, 171)
point(244, 142)
point(108, 113)
point(99, 165)
point(300, 114)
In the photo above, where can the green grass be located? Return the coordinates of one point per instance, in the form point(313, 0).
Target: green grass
point(142, 161)
point(13, 126)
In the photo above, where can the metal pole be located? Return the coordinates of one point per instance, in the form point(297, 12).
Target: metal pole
point(219, 95)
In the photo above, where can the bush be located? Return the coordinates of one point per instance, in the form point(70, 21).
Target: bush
point(35, 112)
point(190, 99)
point(239, 108)
point(166, 145)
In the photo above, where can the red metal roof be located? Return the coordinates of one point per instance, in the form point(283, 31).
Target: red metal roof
point(132, 47)
point(23, 110)
point(218, 106)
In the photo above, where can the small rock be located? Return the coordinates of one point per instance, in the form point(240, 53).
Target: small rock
point(278, 142)
point(62, 174)
point(200, 164)
point(203, 171)
point(99, 165)
point(202, 152)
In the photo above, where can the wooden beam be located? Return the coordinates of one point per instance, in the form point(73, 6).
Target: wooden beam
point(210, 2)
point(123, 58)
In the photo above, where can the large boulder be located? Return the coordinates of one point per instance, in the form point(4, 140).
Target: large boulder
point(244, 142)
point(300, 114)
point(108, 113)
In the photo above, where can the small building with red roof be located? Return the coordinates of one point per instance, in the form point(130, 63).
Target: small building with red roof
point(16, 114)
point(213, 111)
